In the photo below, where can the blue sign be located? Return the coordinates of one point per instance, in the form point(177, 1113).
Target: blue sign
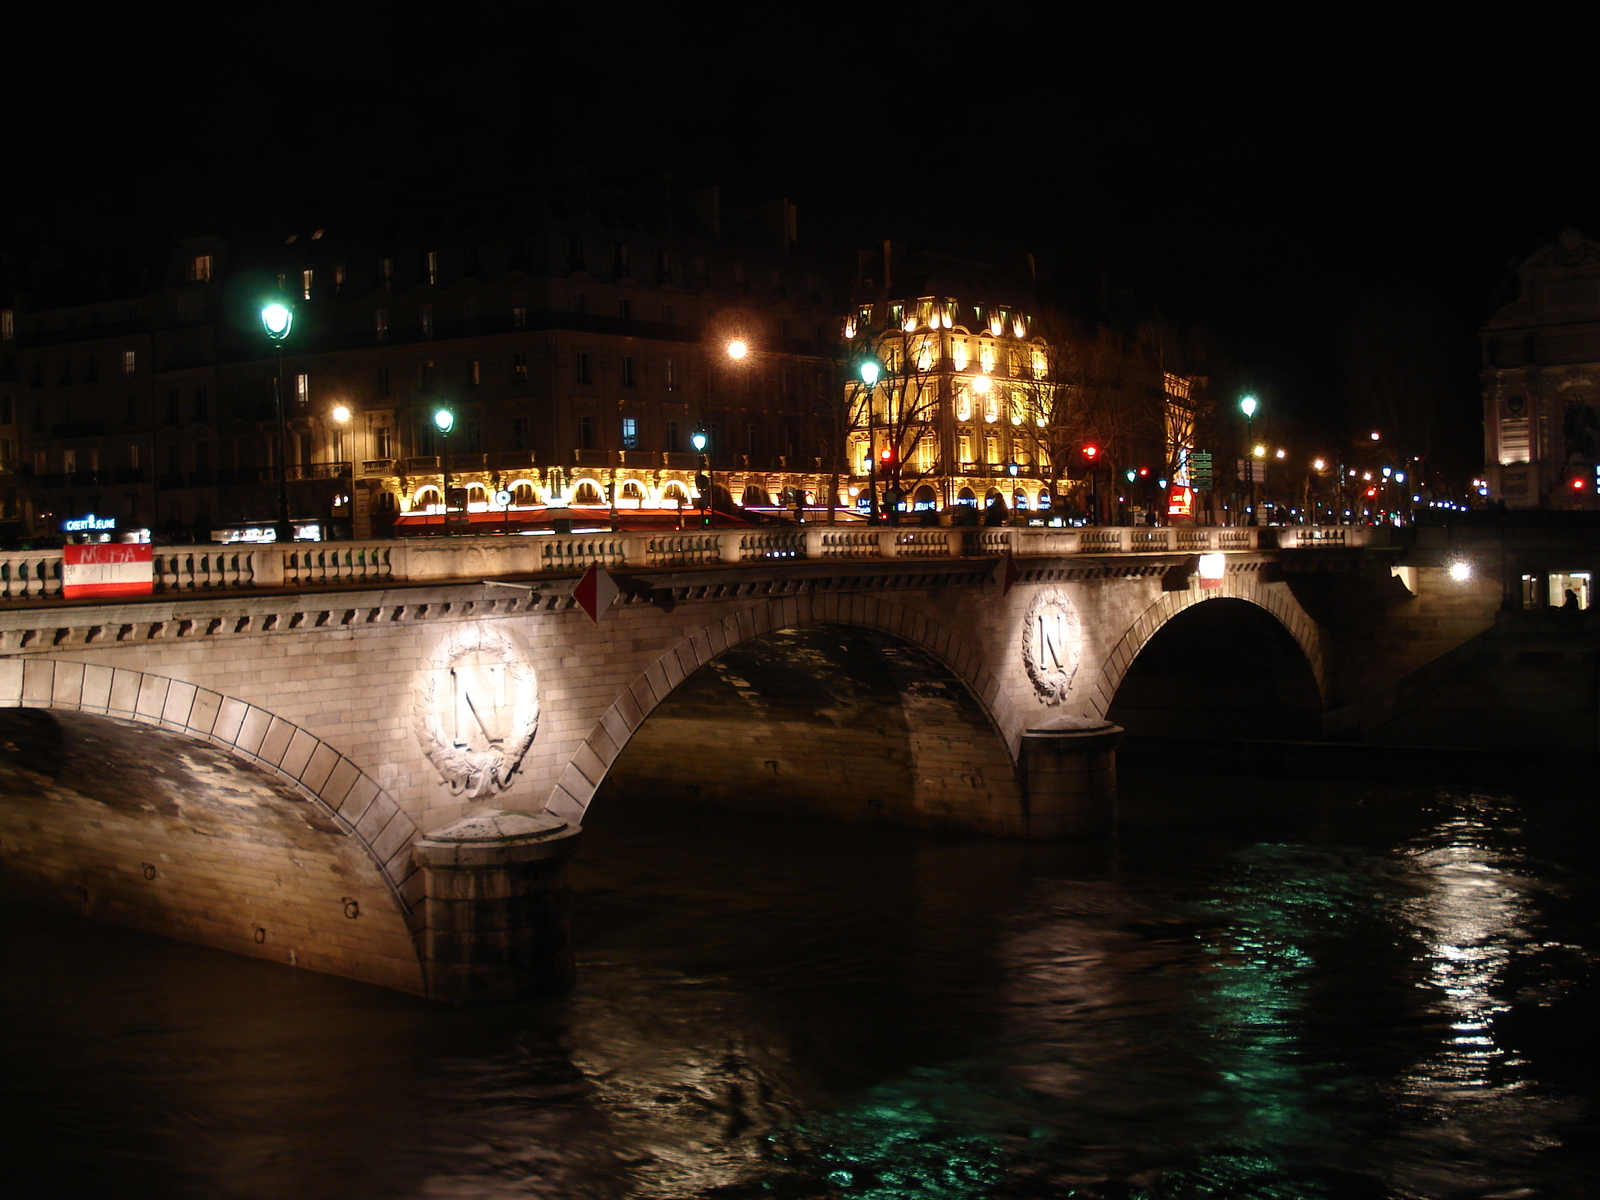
point(89, 524)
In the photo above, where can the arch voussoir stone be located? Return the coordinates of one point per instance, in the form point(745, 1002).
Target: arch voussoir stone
point(293, 754)
point(1277, 603)
point(575, 788)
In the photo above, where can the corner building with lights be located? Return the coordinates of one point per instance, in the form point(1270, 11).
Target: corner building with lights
point(959, 405)
point(577, 335)
point(1541, 381)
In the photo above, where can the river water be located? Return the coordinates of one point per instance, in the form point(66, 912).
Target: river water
point(1262, 988)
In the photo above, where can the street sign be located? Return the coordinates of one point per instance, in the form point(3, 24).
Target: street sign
point(107, 569)
point(1200, 471)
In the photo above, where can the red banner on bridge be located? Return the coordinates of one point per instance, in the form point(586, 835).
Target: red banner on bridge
point(107, 569)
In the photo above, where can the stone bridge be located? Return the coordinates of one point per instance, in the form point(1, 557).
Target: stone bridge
point(372, 759)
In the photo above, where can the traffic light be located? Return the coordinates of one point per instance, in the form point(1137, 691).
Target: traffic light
point(887, 456)
point(1090, 452)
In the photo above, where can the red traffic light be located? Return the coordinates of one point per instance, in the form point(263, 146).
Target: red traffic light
point(1143, 471)
point(1090, 451)
point(887, 455)
point(1577, 485)
point(1371, 492)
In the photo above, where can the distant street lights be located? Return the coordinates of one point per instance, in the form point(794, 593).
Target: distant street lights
point(277, 318)
point(1247, 405)
point(445, 420)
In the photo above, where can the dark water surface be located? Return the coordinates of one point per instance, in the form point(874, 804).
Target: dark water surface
point(1261, 989)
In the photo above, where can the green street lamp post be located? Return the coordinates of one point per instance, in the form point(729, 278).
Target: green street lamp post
point(869, 370)
point(1247, 405)
point(445, 420)
point(700, 441)
point(277, 318)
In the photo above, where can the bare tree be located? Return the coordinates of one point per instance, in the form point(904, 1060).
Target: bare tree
point(1397, 372)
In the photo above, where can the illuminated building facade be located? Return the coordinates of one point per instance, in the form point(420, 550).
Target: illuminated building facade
point(578, 336)
point(1541, 381)
point(962, 410)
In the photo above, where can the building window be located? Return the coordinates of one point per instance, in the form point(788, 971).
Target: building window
point(130, 361)
point(202, 456)
point(380, 324)
point(386, 273)
point(663, 266)
point(69, 461)
point(200, 269)
point(8, 325)
point(202, 405)
point(625, 313)
point(475, 373)
point(427, 320)
point(338, 277)
point(91, 370)
point(382, 388)
point(752, 438)
point(425, 374)
point(519, 316)
point(305, 284)
point(474, 437)
point(619, 260)
point(672, 374)
point(172, 406)
point(430, 267)
point(519, 433)
point(671, 429)
point(574, 251)
point(302, 388)
point(626, 365)
point(581, 366)
point(630, 433)
point(585, 433)
point(383, 441)
point(964, 451)
point(519, 368)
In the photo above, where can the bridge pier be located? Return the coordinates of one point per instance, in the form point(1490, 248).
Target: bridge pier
point(1069, 778)
point(497, 910)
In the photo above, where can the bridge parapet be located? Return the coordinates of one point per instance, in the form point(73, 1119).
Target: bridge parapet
point(36, 574)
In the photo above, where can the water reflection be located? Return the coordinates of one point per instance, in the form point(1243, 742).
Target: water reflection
point(1271, 991)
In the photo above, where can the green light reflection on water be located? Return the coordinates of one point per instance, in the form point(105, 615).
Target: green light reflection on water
point(894, 1144)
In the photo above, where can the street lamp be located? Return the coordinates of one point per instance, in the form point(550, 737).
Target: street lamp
point(869, 370)
point(699, 441)
point(1247, 405)
point(446, 421)
point(277, 318)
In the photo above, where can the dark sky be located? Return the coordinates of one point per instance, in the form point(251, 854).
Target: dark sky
point(1260, 176)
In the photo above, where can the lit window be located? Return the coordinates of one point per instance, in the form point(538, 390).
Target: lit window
point(963, 404)
point(305, 284)
point(427, 320)
point(200, 269)
point(386, 273)
point(430, 266)
point(302, 389)
point(626, 363)
point(672, 375)
point(130, 361)
point(630, 433)
point(519, 370)
point(380, 324)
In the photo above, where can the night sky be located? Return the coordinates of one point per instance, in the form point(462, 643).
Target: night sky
point(1258, 177)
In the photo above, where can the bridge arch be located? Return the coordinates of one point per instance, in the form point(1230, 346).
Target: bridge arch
point(1276, 602)
point(366, 830)
point(600, 749)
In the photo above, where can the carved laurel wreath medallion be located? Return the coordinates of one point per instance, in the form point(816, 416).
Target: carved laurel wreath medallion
point(1052, 644)
point(477, 709)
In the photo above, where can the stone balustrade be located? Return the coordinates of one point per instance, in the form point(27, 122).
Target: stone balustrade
point(36, 574)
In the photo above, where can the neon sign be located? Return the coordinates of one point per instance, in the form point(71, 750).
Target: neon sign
point(89, 524)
